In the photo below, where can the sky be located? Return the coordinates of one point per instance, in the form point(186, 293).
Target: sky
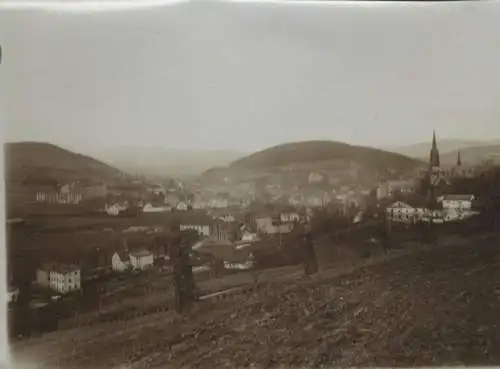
point(247, 75)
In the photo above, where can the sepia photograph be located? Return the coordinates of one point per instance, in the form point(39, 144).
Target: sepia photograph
point(266, 184)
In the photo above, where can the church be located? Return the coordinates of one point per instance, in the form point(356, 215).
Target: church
point(446, 173)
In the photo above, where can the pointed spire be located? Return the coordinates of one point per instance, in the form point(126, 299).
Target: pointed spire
point(434, 156)
point(459, 159)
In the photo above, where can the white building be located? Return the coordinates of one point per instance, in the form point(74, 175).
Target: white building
point(249, 237)
point(182, 206)
point(202, 229)
point(120, 261)
point(457, 202)
point(60, 278)
point(141, 259)
point(116, 209)
point(266, 225)
point(148, 208)
point(218, 203)
point(401, 212)
point(289, 217)
point(227, 218)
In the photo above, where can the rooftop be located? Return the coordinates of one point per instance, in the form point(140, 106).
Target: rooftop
point(141, 253)
point(60, 268)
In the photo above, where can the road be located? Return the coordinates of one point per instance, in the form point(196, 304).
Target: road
point(434, 307)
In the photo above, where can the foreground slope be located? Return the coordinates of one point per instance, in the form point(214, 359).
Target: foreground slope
point(438, 306)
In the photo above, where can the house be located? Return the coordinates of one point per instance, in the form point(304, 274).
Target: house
point(149, 208)
point(141, 260)
point(227, 218)
point(289, 217)
point(59, 277)
point(316, 177)
point(272, 225)
point(401, 212)
point(218, 203)
point(222, 231)
point(391, 188)
point(197, 221)
point(249, 236)
point(229, 256)
point(65, 278)
point(120, 261)
point(182, 206)
point(459, 203)
point(202, 229)
point(116, 208)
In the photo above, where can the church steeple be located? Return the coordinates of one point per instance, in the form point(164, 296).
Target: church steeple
point(434, 157)
point(459, 160)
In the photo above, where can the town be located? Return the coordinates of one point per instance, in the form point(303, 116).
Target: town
point(109, 251)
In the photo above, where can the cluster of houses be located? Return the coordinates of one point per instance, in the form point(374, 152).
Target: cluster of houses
point(231, 231)
point(452, 208)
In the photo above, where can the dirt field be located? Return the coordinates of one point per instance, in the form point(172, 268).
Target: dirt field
point(432, 307)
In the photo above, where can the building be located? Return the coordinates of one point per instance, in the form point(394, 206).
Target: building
point(141, 260)
point(65, 279)
point(120, 261)
point(116, 208)
point(182, 206)
point(149, 208)
point(249, 236)
point(198, 222)
point(270, 225)
point(390, 189)
point(401, 212)
point(59, 277)
point(59, 198)
point(460, 203)
point(222, 231)
point(289, 217)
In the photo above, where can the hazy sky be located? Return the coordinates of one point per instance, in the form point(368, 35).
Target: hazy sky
point(245, 75)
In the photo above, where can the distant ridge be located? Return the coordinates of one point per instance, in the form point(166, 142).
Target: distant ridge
point(473, 155)
point(421, 150)
point(368, 158)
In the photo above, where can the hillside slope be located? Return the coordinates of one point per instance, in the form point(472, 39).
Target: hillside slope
point(310, 152)
point(41, 161)
point(30, 164)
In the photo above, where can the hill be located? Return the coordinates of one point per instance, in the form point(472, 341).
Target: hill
point(446, 146)
point(473, 155)
point(309, 153)
point(155, 161)
point(38, 160)
point(28, 164)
